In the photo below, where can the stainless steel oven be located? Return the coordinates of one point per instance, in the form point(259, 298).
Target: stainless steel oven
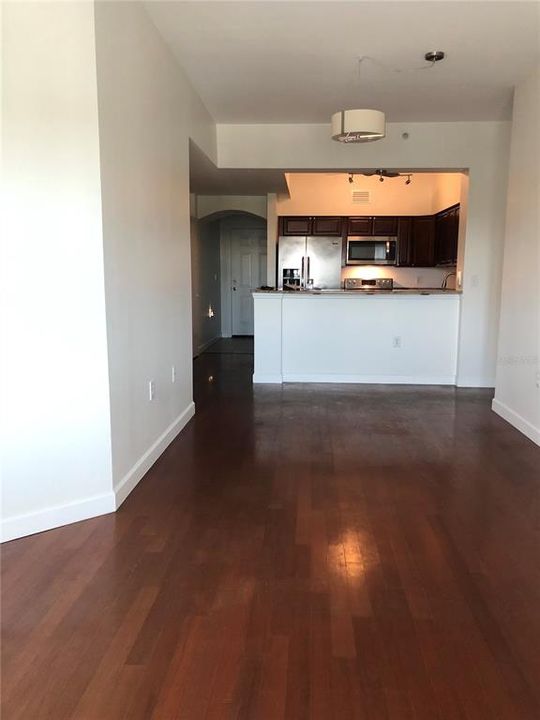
point(371, 250)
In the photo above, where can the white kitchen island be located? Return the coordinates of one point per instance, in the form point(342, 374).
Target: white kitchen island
point(354, 337)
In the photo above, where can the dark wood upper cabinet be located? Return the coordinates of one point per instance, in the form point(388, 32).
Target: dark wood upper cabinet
point(296, 226)
point(329, 226)
point(360, 226)
point(454, 234)
point(441, 239)
point(322, 225)
point(423, 241)
point(386, 226)
point(446, 240)
point(404, 231)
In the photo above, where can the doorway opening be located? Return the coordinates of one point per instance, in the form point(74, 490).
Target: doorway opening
point(228, 262)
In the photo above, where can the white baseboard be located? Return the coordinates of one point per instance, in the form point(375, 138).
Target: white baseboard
point(270, 379)
point(515, 419)
point(53, 517)
point(475, 382)
point(141, 467)
point(369, 379)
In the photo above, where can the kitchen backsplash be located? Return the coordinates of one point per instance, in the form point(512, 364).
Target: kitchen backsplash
point(403, 276)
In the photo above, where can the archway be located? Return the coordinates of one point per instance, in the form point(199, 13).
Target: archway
point(228, 260)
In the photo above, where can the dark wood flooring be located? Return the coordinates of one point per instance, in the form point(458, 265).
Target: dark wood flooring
point(237, 345)
point(324, 552)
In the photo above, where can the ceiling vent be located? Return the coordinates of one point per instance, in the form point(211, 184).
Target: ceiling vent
point(360, 197)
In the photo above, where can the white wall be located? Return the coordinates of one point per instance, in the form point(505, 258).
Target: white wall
point(205, 283)
point(447, 190)
point(331, 194)
point(517, 390)
point(210, 204)
point(350, 338)
point(480, 147)
point(147, 113)
point(55, 400)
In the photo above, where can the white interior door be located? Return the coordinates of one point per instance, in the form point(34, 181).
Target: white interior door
point(248, 264)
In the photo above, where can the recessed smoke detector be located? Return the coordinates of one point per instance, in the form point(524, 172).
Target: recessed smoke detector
point(434, 56)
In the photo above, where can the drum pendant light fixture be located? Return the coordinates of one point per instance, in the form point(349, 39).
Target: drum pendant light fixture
point(358, 126)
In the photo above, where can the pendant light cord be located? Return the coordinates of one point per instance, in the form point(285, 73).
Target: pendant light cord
point(392, 68)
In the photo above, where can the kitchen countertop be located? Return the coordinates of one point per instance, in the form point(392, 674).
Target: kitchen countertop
point(360, 293)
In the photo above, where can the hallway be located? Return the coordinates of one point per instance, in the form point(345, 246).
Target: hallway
point(321, 551)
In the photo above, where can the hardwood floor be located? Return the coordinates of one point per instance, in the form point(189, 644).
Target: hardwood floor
point(239, 344)
point(323, 552)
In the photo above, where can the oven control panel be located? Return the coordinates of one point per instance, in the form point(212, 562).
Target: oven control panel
point(372, 284)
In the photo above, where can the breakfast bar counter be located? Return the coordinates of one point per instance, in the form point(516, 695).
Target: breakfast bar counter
point(401, 336)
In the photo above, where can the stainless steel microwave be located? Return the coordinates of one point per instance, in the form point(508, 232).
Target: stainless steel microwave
point(371, 250)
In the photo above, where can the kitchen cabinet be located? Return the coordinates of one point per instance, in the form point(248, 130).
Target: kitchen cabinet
point(360, 226)
point(327, 226)
point(295, 225)
point(446, 241)
point(423, 241)
point(386, 226)
point(373, 226)
point(404, 232)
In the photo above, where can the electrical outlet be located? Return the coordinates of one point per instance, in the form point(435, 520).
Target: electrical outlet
point(459, 279)
point(173, 374)
point(396, 341)
point(151, 390)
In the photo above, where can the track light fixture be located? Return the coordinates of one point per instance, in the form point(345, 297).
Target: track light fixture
point(382, 174)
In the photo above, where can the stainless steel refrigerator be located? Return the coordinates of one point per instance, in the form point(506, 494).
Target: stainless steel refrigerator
point(309, 262)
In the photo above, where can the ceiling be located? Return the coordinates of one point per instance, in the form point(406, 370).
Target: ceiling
point(206, 179)
point(270, 62)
